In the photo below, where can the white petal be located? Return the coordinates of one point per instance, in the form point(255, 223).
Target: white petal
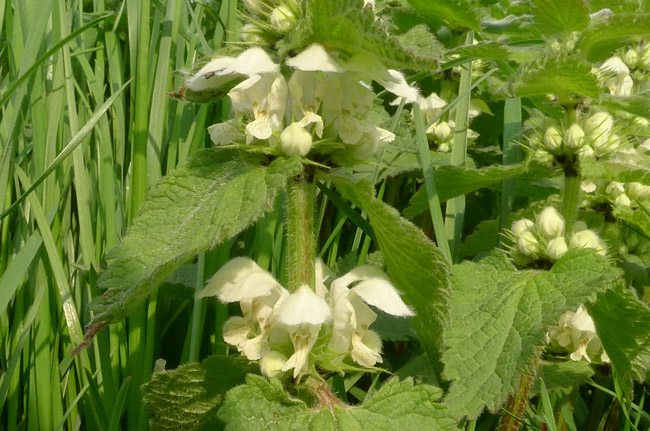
point(224, 133)
point(314, 58)
point(256, 348)
point(382, 294)
point(251, 62)
point(235, 331)
point(227, 280)
point(303, 306)
point(303, 338)
point(210, 76)
point(322, 275)
point(366, 349)
point(399, 87)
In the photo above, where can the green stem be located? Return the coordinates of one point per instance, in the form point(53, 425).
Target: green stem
point(301, 252)
point(570, 198)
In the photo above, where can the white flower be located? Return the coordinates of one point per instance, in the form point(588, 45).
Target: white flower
point(575, 137)
point(352, 316)
point(576, 333)
point(550, 223)
point(306, 90)
point(302, 313)
point(622, 200)
point(587, 239)
point(621, 84)
point(295, 140)
point(224, 133)
point(442, 130)
point(265, 96)
point(521, 226)
point(242, 280)
point(271, 364)
point(615, 188)
point(552, 138)
point(638, 191)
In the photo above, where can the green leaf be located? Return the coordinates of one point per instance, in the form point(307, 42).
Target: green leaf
point(483, 49)
point(562, 376)
point(458, 14)
point(560, 16)
point(421, 43)
point(498, 320)
point(349, 28)
point(452, 181)
point(610, 32)
point(568, 78)
point(416, 266)
point(622, 323)
point(188, 397)
point(614, 170)
point(636, 105)
point(195, 207)
point(263, 405)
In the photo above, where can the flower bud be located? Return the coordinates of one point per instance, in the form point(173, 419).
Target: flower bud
point(442, 131)
point(631, 58)
point(528, 244)
point(543, 156)
point(638, 191)
point(588, 186)
point(251, 33)
point(575, 137)
point(615, 188)
point(586, 151)
point(550, 223)
point(444, 148)
point(282, 18)
point(521, 226)
point(587, 239)
point(556, 248)
point(598, 124)
point(622, 200)
point(644, 148)
point(645, 56)
point(271, 364)
point(295, 140)
point(552, 139)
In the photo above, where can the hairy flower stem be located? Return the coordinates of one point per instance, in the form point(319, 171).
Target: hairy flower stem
point(511, 419)
point(570, 198)
point(301, 251)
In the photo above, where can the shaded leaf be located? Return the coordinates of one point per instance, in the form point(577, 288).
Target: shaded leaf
point(610, 32)
point(562, 376)
point(560, 16)
point(614, 170)
point(457, 14)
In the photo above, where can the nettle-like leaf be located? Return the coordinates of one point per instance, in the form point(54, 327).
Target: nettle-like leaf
point(213, 197)
point(189, 397)
point(560, 16)
point(607, 34)
point(498, 320)
point(562, 376)
point(347, 27)
point(263, 405)
point(452, 181)
point(636, 105)
point(419, 41)
point(613, 170)
point(416, 266)
point(457, 14)
point(622, 323)
point(568, 78)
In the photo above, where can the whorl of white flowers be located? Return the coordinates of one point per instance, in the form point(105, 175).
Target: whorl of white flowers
point(544, 238)
point(280, 329)
point(575, 333)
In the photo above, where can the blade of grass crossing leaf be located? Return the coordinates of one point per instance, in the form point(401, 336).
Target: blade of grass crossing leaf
point(455, 210)
point(511, 154)
point(118, 410)
point(198, 314)
point(547, 408)
point(430, 182)
point(15, 272)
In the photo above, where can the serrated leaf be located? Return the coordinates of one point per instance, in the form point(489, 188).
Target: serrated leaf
point(636, 105)
point(568, 78)
point(622, 323)
point(604, 36)
point(457, 14)
point(614, 170)
point(263, 405)
point(560, 16)
point(419, 41)
point(562, 376)
point(208, 200)
point(639, 220)
point(416, 266)
point(188, 397)
point(498, 320)
point(452, 181)
point(347, 27)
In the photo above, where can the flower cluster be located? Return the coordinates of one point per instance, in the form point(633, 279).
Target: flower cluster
point(322, 106)
point(544, 238)
point(280, 329)
point(576, 333)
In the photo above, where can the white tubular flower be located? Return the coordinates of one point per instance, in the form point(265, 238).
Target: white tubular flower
point(550, 223)
point(552, 139)
point(265, 96)
point(295, 140)
point(443, 130)
point(588, 186)
point(521, 226)
point(576, 333)
point(431, 107)
point(220, 71)
point(622, 200)
point(242, 280)
point(271, 364)
point(556, 248)
point(302, 313)
point(352, 316)
point(306, 91)
point(638, 191)
point(575, 137)
point(587, 239)
point(346, 104)
point(398, 86)
point(621, 84)
point(224, 133)
point(615, 188)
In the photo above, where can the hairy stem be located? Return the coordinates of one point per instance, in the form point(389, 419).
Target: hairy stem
point(301, 251)
point(571, 198)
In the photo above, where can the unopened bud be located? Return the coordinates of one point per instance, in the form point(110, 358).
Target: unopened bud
point(598, 124)
point(442, 131)
point(528, 244)
point(615, 188)
point(575, 137)
point(271, 364)
point(543, 156)
point(521, 226)
point(251, 33)
point(638, 191)
point(622, 200)
point(282, 18)
point(586, 151)
point(631, 58)
point(552, 138)
point(587, 239)
point(556, 248)
point(550, 223)
point(645, 56)
point(295, 140)
point(588, 186)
